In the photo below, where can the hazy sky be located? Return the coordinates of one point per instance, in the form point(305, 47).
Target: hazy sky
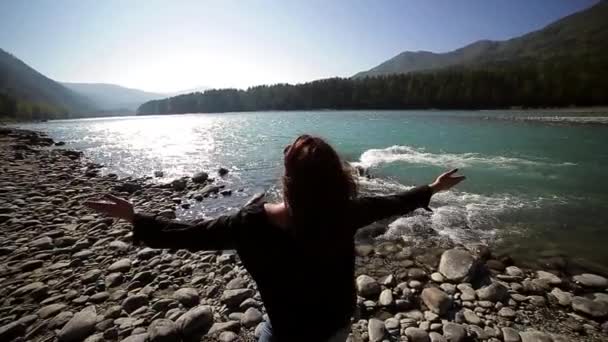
point(173, 45)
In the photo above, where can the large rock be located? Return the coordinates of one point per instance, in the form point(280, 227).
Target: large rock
point(42, 243)
point(136, 338)
point(510, 335)
point(417, 335)
point(179, 184)
point(144, 277)
point(563, 298)
point(147, 253)
point(163, 330)
point(457, 265)
point(514, 271)
point(200, 177)
point(591, 280)
point(80, 326)
point(50, 310)
point(454, 332)
point(232, 298)
point(196, 321)
point(551, 278)
point(91, 276)
point(134, 302)
point(436, 337)
point(12, 331)
point(251, 317)
point(471, 317)
point(224, 326)
point(494, 292)
point(236, 283)
point(376, 330)
point(596, 309)
point(436, 300)
point(534, 336)
point(367, 286)
point(187, 296)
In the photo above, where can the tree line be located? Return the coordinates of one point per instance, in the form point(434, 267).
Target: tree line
point(528, 84)
point(19, 109)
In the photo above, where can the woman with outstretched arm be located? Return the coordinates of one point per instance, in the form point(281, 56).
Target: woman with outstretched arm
point(299, 252)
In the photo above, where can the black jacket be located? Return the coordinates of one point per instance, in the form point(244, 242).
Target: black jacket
point(307, 285)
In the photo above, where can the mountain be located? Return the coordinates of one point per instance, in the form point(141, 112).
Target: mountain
point(200, 89)
point(580, 35)
point(564, 64)
point(26, 93)
point(112, 97)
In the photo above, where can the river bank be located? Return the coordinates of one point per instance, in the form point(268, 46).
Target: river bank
point(69, 274)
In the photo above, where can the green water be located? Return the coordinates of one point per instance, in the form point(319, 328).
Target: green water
point(535, 187)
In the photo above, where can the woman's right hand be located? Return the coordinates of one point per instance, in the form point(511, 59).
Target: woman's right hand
point(114, 207)
point(446, 181)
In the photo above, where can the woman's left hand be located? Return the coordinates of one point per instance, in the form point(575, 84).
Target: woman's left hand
point(113, 206)
point(446, 181)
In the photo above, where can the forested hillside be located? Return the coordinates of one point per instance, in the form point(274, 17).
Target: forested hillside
point(580, 35)
point(552, 83)
point(27, 94)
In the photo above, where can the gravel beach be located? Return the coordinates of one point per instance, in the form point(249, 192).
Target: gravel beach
point(68, 274)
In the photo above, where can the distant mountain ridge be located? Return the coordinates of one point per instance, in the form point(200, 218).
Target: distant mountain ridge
point(581, 34)
point(111, 96)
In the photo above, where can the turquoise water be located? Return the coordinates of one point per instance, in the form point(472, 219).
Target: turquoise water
point(537, 183)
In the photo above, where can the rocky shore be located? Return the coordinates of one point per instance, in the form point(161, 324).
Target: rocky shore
point(67, 274)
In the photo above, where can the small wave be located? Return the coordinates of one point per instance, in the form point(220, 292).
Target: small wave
point(457, 217)
point(408, 154)
point(601, 120)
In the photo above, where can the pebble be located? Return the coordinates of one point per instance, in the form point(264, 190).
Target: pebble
point(436, 300)
point(596, 309)
point(591, 280)
point(417, 335)
point(471, 317)
point(224, 326)
point(11, 331)
point(228, 336)
point(550, 277)
point(134, 302)
point(507, 313)
point(436, 337)
point(454, 332)
point(457, 265)
point(196, 321)
point(534, 336)
point(510, 335)
point(367, 286)
point(50, 310)
point(232, 298)
point(187, 296)
point(122, 265)
point(163, 330)
point(494, 292)
point(376, 330)
point(563, 298)
point(251, 317)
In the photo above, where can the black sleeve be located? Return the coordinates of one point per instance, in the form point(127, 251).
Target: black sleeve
point(214, 234)
point(366, 210)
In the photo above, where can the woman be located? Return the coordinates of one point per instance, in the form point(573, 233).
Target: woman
point(300, 252)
